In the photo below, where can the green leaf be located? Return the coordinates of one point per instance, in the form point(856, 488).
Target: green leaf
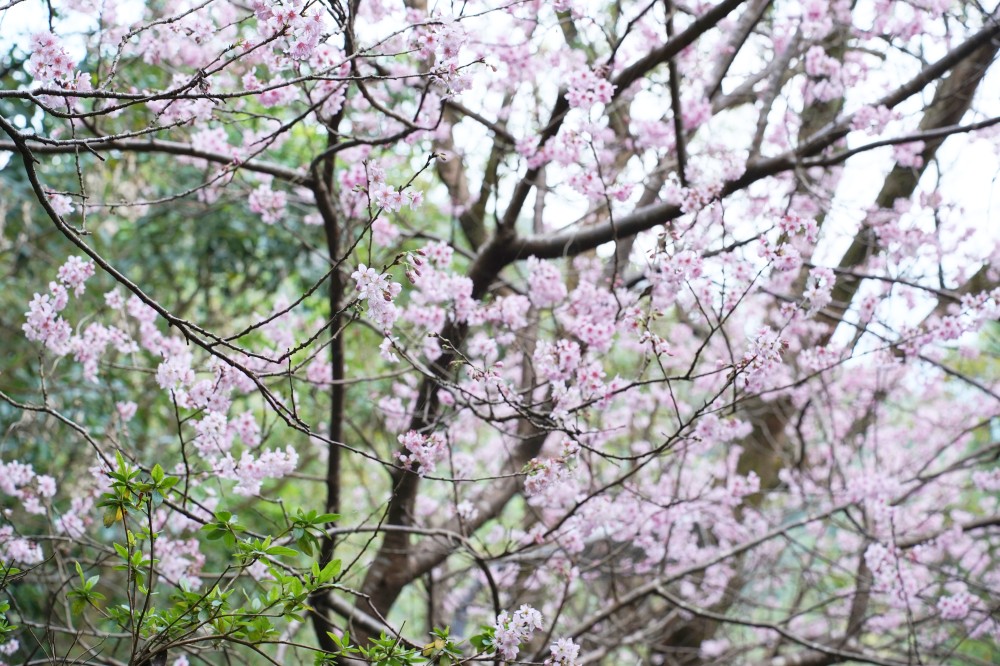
point(281, 551)
point(325, 518)
point(483, 642)
point(330, 571)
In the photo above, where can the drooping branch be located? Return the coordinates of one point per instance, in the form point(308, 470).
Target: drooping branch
point(153, 146)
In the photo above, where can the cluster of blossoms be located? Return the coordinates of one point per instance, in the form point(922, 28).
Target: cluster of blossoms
point(545, 283)
point(363, 187)
point(269, 204)
point(440, 294)
point(584, 148)
point(250, 472)
point(75, 521)
point(61, 204)
point(439, 40)
point(436, 38)
point(590, 184)
point(587, 89)
point(301, 31)
point(8, 648)
point(568, 148)
point(215, 432)
point(74, 273)
point(379, 291)
point(544, 475)
point(827, 76)
point(872, 119)
point(988, 481)
point(425, 451)
point(697, 197)
point(792, 224)
point(212, 140)
point(175, 373)
point(564, 652)
point(818, 289)
point(589, 313)
point(783, 257)
point(278, 93)
point(761, 359)
point(818, 16)
point(909, 154)
point(894, 574)
point(330, 61)
point(557, 361)
point(512, 630)
point(180, 561)
point(14, 548)
point(44, 324)
point(669, 273)
point(22, 483)
point(386, 196)
point(393, 200)
point(958, 605)
point(49, 61)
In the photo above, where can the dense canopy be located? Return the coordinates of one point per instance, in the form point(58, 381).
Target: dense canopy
point(583, 331)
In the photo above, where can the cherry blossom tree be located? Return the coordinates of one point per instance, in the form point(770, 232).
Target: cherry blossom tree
point(550, 332)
